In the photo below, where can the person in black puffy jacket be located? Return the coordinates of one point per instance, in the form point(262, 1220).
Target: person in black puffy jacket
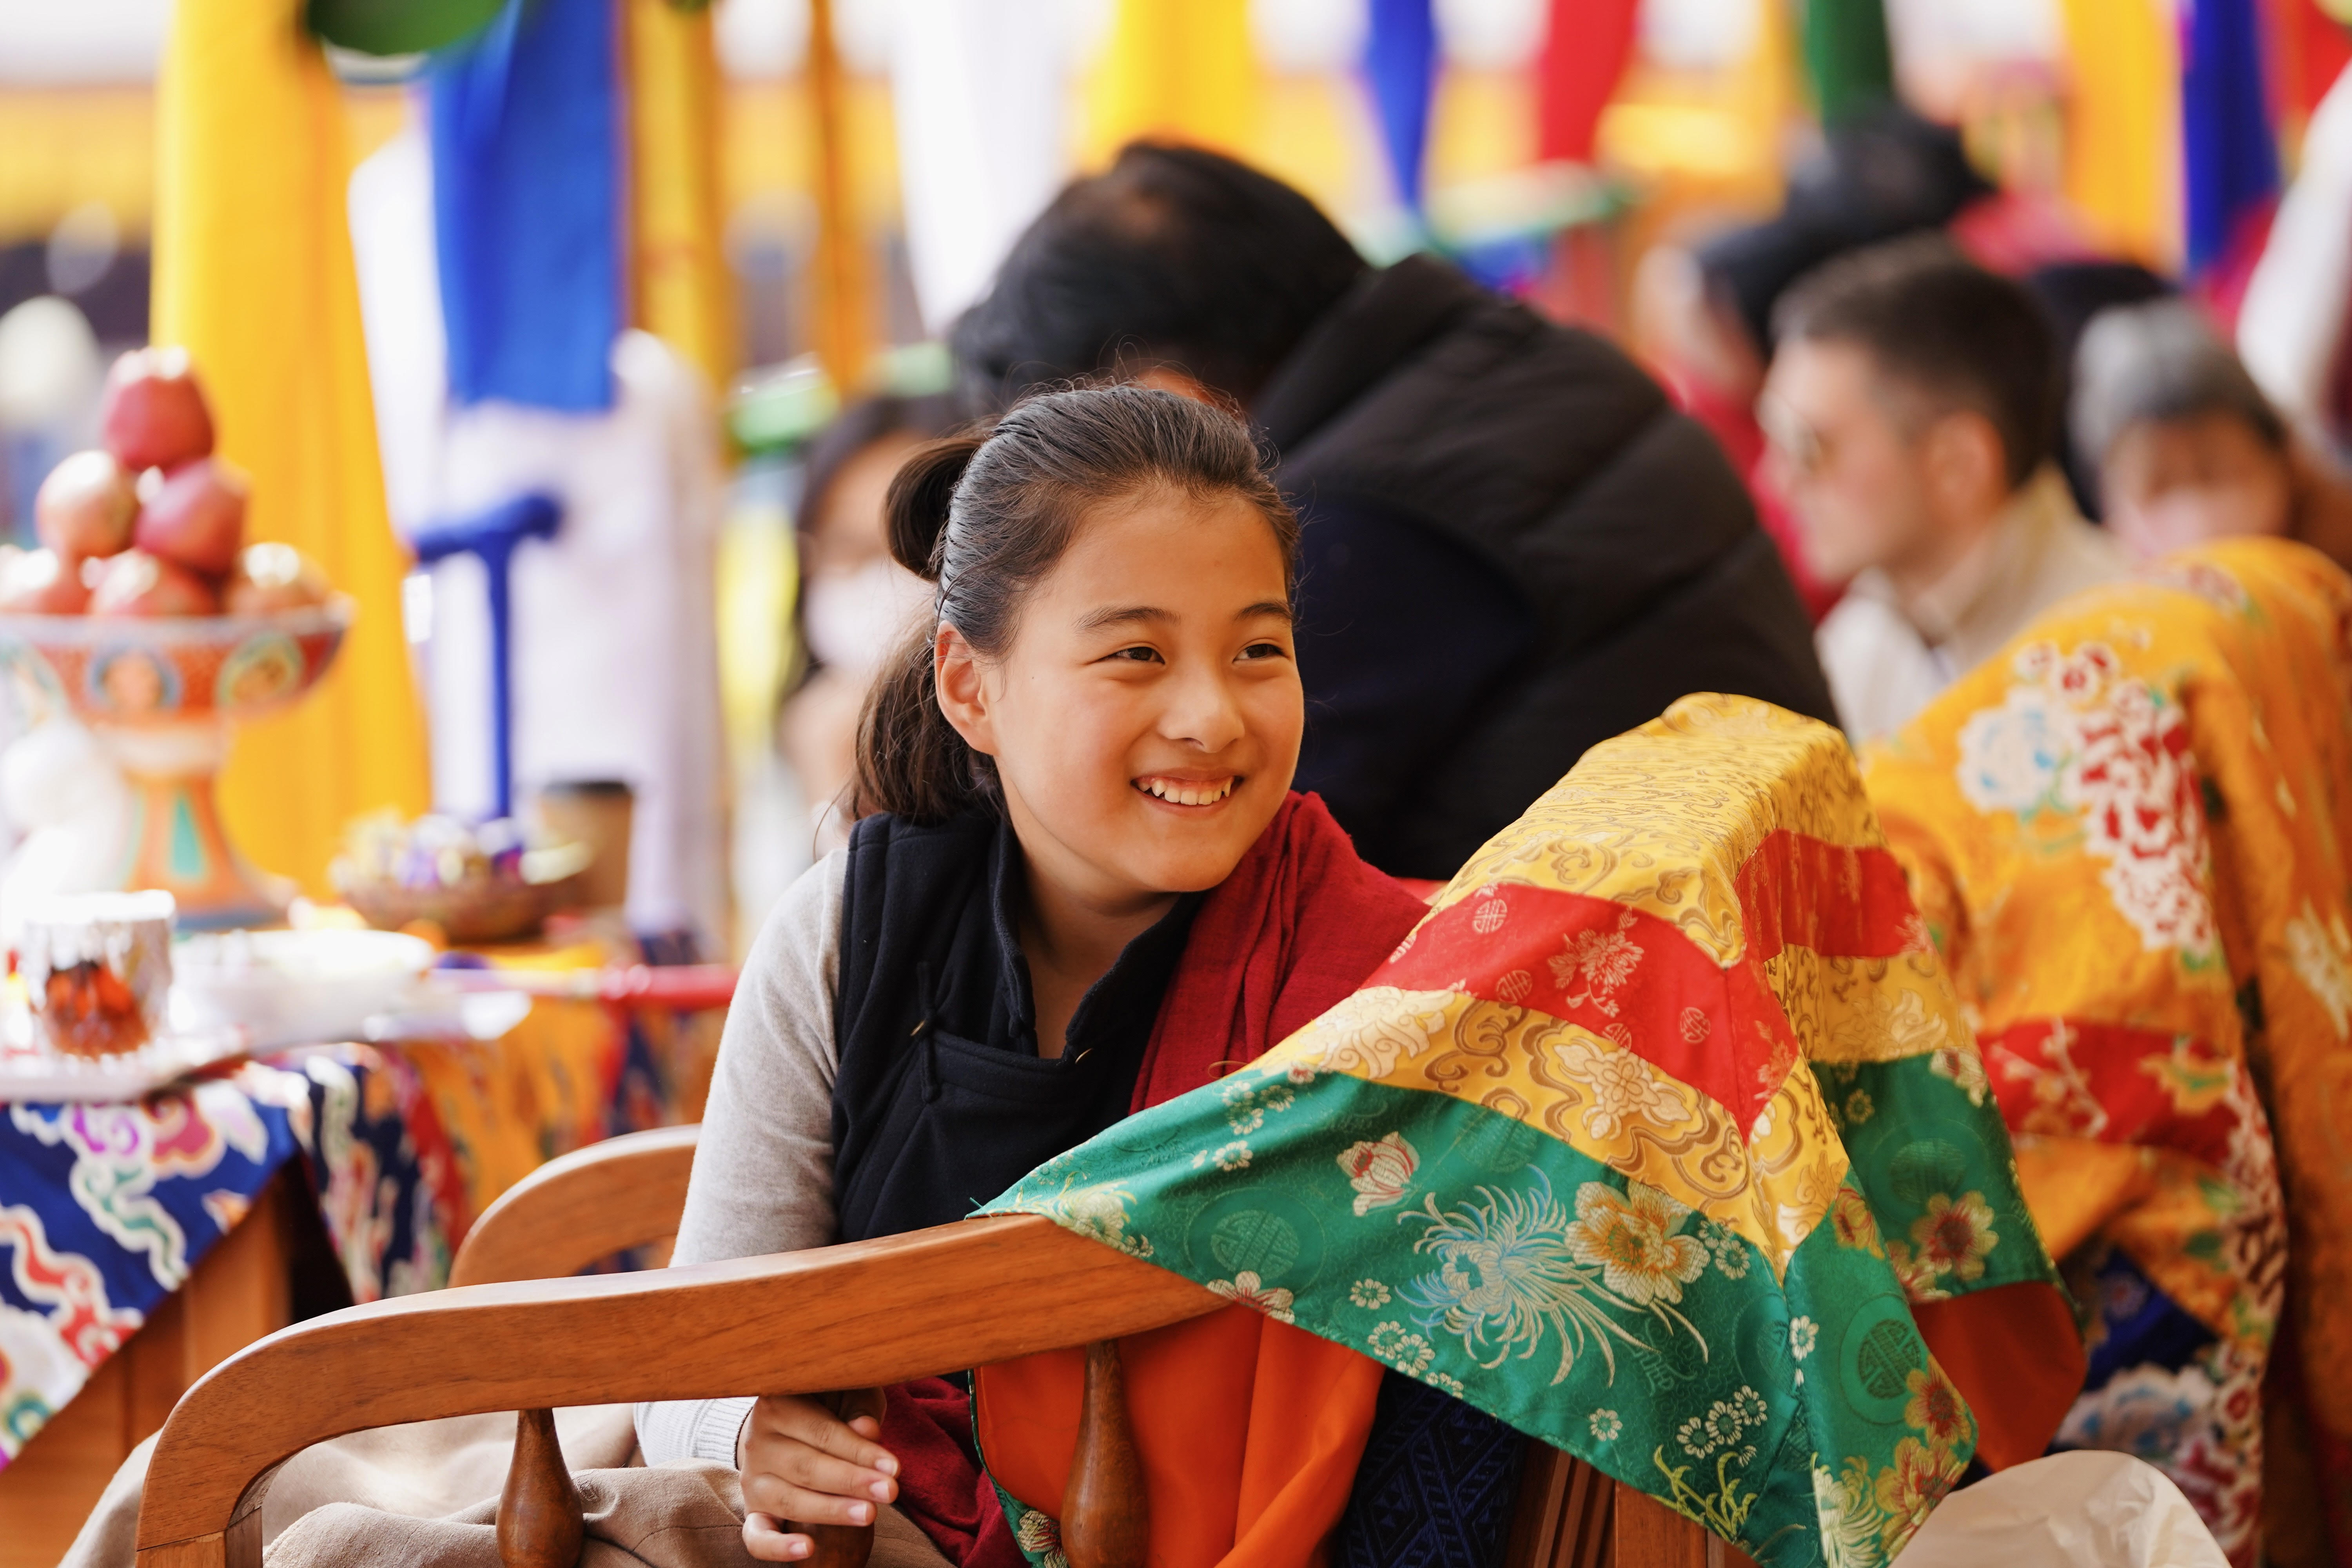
point(1515, 544)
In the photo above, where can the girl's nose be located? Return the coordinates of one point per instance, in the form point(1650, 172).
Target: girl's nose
point(1202, 710)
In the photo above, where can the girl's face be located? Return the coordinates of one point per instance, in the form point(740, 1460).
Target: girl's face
point(2172, 483)
point(1145, 719)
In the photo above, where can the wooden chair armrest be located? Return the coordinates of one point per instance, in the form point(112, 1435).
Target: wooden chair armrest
point(840, 1317)
point(580, 1208)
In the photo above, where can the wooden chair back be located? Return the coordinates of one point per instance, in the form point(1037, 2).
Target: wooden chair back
point(862, 1314)
point(580, 1209)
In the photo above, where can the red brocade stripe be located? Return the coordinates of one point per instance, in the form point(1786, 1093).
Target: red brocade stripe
point(1841, 902)
point(2118, 1084)
point(1634, 978)
point(1626, 976)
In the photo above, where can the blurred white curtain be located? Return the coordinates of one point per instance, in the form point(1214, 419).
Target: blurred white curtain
point(981, 89)
point(2290, 325)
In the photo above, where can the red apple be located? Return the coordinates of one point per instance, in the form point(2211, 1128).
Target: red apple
point(85, 506)
point(138, 584)
point(274, 577)
point(41, 582)
point(153, 415)
point(196, 517)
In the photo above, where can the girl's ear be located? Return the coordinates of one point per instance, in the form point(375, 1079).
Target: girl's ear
point(963, 695)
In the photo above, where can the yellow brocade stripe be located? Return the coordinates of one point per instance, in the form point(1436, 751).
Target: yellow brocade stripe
point(1875, 1010)
point(1598, 1098)
point(1662, 819)
point(1666, 822)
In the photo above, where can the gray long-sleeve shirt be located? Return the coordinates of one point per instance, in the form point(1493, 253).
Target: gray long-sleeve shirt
point(763, 1166)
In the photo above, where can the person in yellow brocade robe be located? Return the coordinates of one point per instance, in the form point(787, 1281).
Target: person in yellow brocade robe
point(2127, 832)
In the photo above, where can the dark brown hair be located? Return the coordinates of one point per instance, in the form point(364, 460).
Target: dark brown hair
point(1936, 322)
point(987, 516)
point(1173, 256)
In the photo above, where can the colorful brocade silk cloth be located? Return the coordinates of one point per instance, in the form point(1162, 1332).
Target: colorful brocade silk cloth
point(106, 1209)
point(1660, 1138)
point(2126, 835)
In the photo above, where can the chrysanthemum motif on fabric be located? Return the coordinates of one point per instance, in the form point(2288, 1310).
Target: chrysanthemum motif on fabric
point(1519, 1270)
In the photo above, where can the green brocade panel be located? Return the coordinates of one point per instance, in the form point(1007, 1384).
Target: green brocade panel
point(1800, 1417)
point(1941, 1185)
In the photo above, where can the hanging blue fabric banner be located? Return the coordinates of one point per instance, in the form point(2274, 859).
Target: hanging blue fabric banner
point(527, 214)
point(2228, 146)
point(1401, 68)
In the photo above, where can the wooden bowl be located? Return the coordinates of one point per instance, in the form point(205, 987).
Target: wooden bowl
point(483, 909)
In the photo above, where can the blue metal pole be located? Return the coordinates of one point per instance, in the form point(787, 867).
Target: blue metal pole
point(492, 538)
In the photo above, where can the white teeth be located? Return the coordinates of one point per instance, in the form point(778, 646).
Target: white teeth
point(1181, 794)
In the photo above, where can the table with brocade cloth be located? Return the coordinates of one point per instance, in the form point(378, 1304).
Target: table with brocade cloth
point(142, 1243)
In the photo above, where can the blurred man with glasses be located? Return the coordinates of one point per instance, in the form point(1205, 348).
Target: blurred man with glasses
point(1912, 410)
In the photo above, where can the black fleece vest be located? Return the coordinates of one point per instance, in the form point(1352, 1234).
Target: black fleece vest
point(941, 1101)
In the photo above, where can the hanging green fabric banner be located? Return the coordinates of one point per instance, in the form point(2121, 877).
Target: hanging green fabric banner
point(1847, 55)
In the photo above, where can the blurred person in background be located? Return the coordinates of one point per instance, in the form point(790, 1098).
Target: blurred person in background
point(1514, 546)
point(1705, 311)
point(1912, 408)
point(2187, 447)
point(854, 601)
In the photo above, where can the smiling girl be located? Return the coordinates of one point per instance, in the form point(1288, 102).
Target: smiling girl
point(1080, 885)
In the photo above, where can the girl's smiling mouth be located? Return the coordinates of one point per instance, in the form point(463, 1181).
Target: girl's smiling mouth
point(1187, 792)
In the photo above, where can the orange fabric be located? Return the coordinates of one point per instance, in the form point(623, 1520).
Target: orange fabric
point(2076, 1186)
point(2016, 1356)
point(1250, 1431)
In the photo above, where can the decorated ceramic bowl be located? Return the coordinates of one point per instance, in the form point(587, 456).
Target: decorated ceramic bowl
point(135, 670)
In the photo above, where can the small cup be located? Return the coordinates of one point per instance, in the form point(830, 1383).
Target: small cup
point(98, 970)
point(597, 813)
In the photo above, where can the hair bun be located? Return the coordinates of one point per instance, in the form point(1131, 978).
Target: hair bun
point(919, 501)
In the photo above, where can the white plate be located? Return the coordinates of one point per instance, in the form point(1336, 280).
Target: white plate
point(294, 987)
point(31, 1072)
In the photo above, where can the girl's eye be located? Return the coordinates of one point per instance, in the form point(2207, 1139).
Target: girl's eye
point(1140, 655)
point(1265, 650)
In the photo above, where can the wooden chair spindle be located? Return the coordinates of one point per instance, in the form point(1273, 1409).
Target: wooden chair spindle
point(1106, 1516)
point(540, 1524)
point(837, 1545)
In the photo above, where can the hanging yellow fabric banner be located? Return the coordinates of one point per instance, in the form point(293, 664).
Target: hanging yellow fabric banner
point(677, 268)
point(1180, 70)
point(253, 275)
point(2123, 125)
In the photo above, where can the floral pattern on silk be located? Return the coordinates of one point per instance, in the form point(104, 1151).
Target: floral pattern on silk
point(1646, 1141)
point(108, 1208)
point(105, 1209)
point(2126, 833)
